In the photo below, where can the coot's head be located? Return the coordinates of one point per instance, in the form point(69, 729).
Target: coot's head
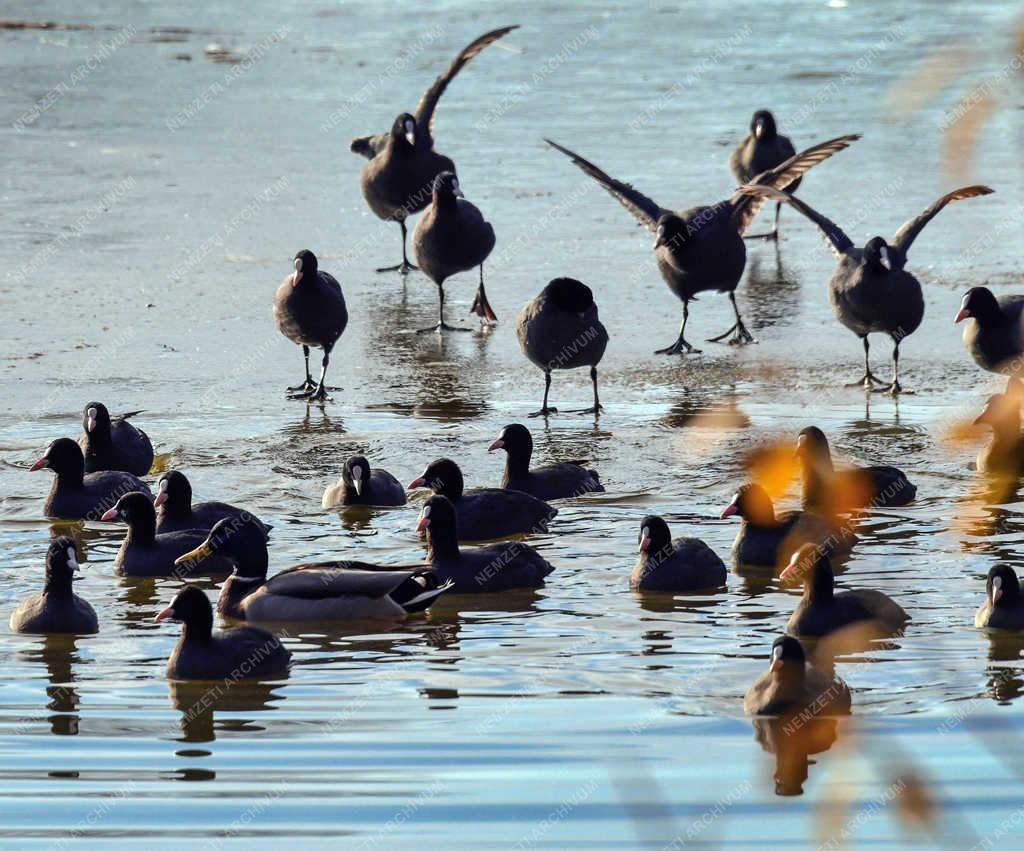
point(96, 418)
point(446, 187)
point(812, 567)
point(356, 473)
point(438, 521)
point(240, 539)
point(1002, 586)
point(61, 563)
point(787, 656)
point(64, 457)
point(811, 444)
point(655, 537)
point(132, 508)
point(305, 267)
point(191, 607)
point(570, 295)
point(752, 503)
point(978, 303)
point(762, 125)
point(443, 477)
point(672, 232)
point(878, 255)
point(514, 439)
point(174, 492)
point(403, 131)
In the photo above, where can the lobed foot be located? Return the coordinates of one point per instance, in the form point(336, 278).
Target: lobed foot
point(403, 268)
point(441, 326)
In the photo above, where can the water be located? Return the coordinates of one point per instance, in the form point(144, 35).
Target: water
point(153, 206)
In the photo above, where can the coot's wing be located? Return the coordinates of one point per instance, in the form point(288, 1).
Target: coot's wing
point(425, 108)
point(906, 235)
point(369, 146)
point(337, 578)
point(646, 211)
point(124, 417)
point(838, 241)
point(746, 204)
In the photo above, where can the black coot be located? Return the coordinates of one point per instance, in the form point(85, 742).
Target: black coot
point(1003, 607)
point(559, 329)
point(310, 310)
point(145, 553)
point(58, 608)
point(359, 485)
point(114, 444)
point(995, 336)
point(683, 564)
point(485, 513)
point(701, 249)
point(498, 567)
point(242, 652)
point(791, 685)
point(75, 495)
point(763, 148)
point(176, 512)
point(555, 481)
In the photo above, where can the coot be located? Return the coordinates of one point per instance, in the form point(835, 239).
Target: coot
point(995, 336)
point(555, 481)
point(763, 148)
point(359, 485)
point(114, 445)
point(1003, 607)
point(58, 608)
point(683, 564)
point(792, 685)
point(175, 511)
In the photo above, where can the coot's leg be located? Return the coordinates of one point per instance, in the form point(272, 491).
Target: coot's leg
point(680, 346)
point(441, 324)
point(544, 409)
point(771, 235)
point(481, 307)
point(894, 388)
point(740, 334)
point(320, 394)
point(597, 406)
point(869, 378)
point(307, 386)
point(405, 267)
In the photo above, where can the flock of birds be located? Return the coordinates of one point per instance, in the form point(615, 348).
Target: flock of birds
point(697, 250)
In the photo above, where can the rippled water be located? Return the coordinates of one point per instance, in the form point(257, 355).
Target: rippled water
point(151, 209)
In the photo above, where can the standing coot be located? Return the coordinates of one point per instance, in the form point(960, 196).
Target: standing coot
point(176, 513)
point(498, 567)
point(359, 485)
point(402, 164)
point(114, 445)
point(310, 310)
point(75, 495)
point(870, 290)
point(242, 652)
point(683, 564)
point(701, 249)
point(555, 481)
point(58, 608)
point(559, 329)
point(485, 513)
point(452, 236)
point(763, 148)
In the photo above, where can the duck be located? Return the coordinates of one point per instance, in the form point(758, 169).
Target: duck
point(793, 686)
point(505, 566)
point(359, 485)
point(701, 249)
point(114, 444)
point(452, 236)
point(485, 513)
point(559, 329)
point(994, 337)
point(555, 481)
point(176, 512)
point(832, 492)
point(1003, 607)
point(822, 611)
point(1004, 454)
point(313, 591)
point(310, 310)
point(57, 609)
point(240, 652)
point(143, 552)
point(870, 290)
point(75, 495)
point(396, 182)
point(763, 148)
point(683, 564)
point(767, 539)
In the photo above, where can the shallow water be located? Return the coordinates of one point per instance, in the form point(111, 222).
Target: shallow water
point(153, 206)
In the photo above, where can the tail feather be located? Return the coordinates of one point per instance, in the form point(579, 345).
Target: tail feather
point(423, 600)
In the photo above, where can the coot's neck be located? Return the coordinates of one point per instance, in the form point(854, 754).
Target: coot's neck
point(820, 587)
point(179, 505)
point(199, 628)
point(58, 584)
point(142, 529)
point(518, 464)
point(99, 437)
point(71, 475)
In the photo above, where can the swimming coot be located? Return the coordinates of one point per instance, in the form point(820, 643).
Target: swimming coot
point(58, 608)
point(791, 685)
point(555, 481)
point(176, 513)
point(114, 445)
point(683, 564)
point(995, 336)
point(359, 485)
point(1003, 607)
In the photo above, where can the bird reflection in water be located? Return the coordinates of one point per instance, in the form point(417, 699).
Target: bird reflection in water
point(793, 739)
point(773, 288)
point(199, 701)
point(59, 653)
point(1005, 681)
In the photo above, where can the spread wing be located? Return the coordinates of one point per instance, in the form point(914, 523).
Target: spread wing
point(906, 235)
point(838, 241)
point(428, 103)
point(646, 211)
point(746, 205)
